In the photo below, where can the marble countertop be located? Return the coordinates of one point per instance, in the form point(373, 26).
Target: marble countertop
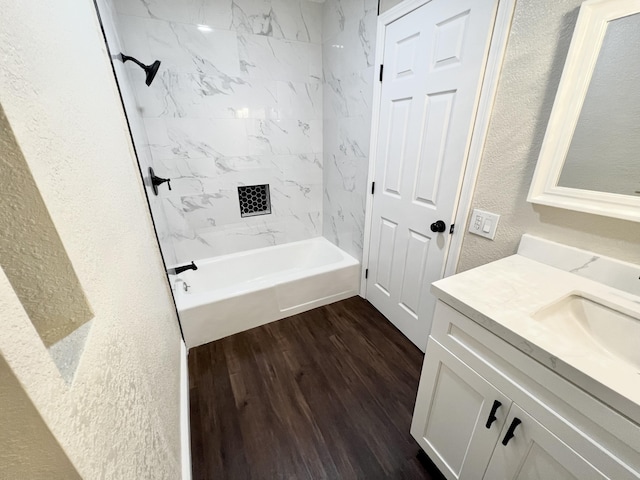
point(502, 296)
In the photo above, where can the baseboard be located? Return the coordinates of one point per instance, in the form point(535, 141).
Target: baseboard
point(185, 431)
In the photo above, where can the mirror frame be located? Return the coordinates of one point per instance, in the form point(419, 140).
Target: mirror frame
point(586, 42)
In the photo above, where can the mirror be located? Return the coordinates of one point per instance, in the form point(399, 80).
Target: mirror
point(590, 157)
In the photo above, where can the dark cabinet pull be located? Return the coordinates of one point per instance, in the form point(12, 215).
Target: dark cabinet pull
point(492, 416)
point(509, 435)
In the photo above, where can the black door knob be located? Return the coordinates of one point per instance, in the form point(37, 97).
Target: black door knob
point(438, 226)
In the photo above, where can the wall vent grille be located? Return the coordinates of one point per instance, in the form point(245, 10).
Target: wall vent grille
point(254, 200)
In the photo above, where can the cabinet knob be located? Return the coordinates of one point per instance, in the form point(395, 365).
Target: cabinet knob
point(512, 428)
point(492, 415)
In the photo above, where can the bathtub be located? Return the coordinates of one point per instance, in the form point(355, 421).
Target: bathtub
point(233, 293)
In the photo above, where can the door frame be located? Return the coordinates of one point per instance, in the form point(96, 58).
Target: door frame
point(471, 165)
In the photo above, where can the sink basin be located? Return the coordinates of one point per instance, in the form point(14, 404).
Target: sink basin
point(593, 323)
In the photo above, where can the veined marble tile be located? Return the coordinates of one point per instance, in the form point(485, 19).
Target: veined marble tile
point(348, 96)
point(290, 19)
point(211, 176)
point(343, 219)
point(197, 138)
point(175, 94)
point(181, 47)
point(209, 210)
point(351, 50)
point(203, 12)
point(312, 21)
point(229, 108)
point(252, 232)
point(333, 18)
point(300, 20)
point(336, 14)
point(295, 198)
point(303, 226)
point(304, 168)
point(343, 172)
point(347, 136)
point(299, 100)
point(284, 136)
point(255, 17)
point(269, 58)
point(348, 55)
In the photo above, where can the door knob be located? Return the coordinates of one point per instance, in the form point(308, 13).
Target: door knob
point(438, 226)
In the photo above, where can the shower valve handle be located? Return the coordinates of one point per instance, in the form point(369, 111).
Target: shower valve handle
point(157, 181)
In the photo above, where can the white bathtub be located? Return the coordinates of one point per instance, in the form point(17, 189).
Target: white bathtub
point(233, 293)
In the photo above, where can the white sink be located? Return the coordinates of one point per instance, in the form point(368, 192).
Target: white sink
point(592, 322)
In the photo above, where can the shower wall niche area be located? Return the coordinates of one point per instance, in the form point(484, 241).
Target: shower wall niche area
point(237, 101)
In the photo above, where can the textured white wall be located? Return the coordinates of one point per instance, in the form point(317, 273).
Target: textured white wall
point(120, 416)
point(27, 448)
point(387, 4)
point(538, 44)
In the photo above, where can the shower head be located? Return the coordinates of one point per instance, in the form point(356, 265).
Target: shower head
point(150, 70)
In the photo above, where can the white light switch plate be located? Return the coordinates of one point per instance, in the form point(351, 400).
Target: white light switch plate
point(484, 223)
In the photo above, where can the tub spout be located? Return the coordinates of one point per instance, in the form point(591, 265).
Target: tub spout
point(182, 268)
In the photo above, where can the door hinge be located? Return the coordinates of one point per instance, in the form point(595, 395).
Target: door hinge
point(452, 228)
point(381, 69)
point(366, 273)
point(373, 187)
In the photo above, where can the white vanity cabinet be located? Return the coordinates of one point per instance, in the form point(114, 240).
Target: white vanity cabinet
point(531, 451)
point(485, 410)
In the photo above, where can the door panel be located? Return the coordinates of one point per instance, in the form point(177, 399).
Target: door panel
point(434, 59)
point(452, 408)
point(534, 453)
point(388, 232)
point(434, 143)
point(413, 271)
point(398, 126)
point(449, 39)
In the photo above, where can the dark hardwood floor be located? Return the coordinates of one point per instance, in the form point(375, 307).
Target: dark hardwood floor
point(325, 394)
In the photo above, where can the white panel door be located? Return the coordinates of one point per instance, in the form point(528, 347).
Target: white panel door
point(434, 61)
point(458, 415)
point(534, 453)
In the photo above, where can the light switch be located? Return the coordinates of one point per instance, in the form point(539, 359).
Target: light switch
point(484, 223)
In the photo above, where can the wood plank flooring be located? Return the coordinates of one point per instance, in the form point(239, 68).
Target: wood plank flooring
point(327, 394)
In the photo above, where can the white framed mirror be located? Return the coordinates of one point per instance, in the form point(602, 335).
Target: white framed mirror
point(590, 156)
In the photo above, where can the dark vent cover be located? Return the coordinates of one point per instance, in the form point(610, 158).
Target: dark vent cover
point(254, 200)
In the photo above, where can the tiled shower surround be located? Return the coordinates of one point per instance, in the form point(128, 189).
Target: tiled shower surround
point(238, 100)
point(348, 50)
point(127, 79)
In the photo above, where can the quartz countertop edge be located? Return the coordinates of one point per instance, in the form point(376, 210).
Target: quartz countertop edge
point(501, 296)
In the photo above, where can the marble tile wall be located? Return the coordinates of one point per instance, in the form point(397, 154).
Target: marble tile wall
point(237, 101)
point(127, 80)
point(348, 50)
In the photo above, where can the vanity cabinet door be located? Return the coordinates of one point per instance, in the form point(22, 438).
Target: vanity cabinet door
point(458, 415)
point(534, 453)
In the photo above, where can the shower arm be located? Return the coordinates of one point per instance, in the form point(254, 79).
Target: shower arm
point(124, 58)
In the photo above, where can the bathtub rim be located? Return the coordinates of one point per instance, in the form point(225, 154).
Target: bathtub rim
point(186, 301)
